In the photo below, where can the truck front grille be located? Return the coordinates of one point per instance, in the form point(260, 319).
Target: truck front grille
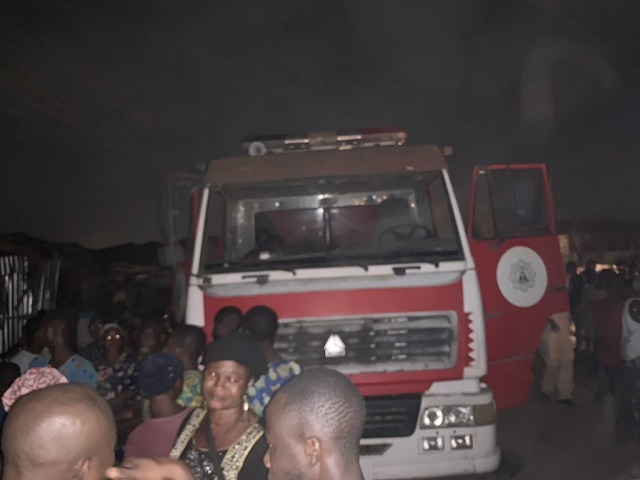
point(391, 416)
point(420, 341)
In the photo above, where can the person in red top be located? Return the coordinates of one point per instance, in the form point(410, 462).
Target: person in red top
point(607, 319)
point(160, 381)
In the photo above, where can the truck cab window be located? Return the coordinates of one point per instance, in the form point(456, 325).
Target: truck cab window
point(338, 219)
point(509, 203)
point(213, 239)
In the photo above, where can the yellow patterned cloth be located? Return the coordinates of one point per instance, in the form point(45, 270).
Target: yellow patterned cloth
point(191, 395)
point(279, 373)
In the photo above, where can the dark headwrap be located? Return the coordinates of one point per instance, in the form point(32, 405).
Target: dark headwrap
point(158, 373)
point(240, 348)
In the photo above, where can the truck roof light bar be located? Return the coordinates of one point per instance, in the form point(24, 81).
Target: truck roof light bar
point(271, 144)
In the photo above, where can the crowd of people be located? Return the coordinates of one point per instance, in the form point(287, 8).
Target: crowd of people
point(312, 430)
point(151, 398)
point(599, 342)
point(146, 400)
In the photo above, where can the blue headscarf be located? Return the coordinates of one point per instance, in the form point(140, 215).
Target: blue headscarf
point(158, 373)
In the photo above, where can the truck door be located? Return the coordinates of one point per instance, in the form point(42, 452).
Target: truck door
point(516, 250)
point(187, 239)
point(180, 205)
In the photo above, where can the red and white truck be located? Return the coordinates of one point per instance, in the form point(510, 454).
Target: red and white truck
point(359, 245)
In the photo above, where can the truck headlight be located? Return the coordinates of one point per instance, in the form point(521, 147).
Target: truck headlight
point(432, 417)
point(447, 416)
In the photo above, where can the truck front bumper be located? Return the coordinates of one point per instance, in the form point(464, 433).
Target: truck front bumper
point(406, 457)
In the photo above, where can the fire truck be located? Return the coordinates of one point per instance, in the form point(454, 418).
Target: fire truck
point(359, 245)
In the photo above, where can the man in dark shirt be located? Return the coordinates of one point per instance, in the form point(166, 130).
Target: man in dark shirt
point(314, 424)
point(575, 284)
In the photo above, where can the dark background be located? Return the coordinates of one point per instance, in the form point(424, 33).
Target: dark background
point(99, 101)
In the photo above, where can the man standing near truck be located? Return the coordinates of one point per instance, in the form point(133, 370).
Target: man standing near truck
point(558, 346)
point(262, 323)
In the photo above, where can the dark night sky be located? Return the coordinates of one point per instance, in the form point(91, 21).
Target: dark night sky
point(99, 101)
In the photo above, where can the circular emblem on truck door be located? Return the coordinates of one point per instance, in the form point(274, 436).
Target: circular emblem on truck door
point(521, 276)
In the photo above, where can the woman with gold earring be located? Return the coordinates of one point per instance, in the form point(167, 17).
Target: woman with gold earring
point(223, 440)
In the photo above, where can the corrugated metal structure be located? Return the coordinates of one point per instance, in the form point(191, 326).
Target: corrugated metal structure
point(23, 292)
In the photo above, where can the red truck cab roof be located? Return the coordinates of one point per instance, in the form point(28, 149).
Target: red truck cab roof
point(333, 163)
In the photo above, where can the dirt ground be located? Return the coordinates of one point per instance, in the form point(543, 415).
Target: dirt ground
point(547, 441)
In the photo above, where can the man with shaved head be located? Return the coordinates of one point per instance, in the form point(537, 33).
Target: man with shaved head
point(62, 432)
point(313, 427)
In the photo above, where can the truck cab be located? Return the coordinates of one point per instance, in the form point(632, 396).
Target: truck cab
point(361, 250)
point(362, 254)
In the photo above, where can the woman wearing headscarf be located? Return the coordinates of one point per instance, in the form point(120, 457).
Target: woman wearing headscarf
point(223, 440)
point(160, 381)
point(34, 379)
point(117, 368)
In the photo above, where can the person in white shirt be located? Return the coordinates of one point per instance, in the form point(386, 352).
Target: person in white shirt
point(630, 353)
point(557, 349)
point(30, 343)
point(631, 330)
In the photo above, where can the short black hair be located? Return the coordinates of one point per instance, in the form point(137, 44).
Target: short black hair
point(66, 319)
point(9, 372)
point(262, 323)
point(191, 338)
point(101, 316)
point(156, 323)
point(30, 328)
point(326, 399)
point(590, 275)
point(224, 315)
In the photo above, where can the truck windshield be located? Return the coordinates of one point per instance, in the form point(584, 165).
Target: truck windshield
point(355, 220)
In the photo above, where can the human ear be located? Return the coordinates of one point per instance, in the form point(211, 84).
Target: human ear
point(81, 470)
point(313, 450)
point(179, 385)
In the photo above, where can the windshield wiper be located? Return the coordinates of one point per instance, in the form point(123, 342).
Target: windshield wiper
point(253, 265)
point(303, 258)
point(412, 256)
point(402, 271)
point(261, 278)
point(332, 257)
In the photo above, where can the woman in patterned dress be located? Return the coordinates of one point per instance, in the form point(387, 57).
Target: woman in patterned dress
point(117, 368)
point(224, 440)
